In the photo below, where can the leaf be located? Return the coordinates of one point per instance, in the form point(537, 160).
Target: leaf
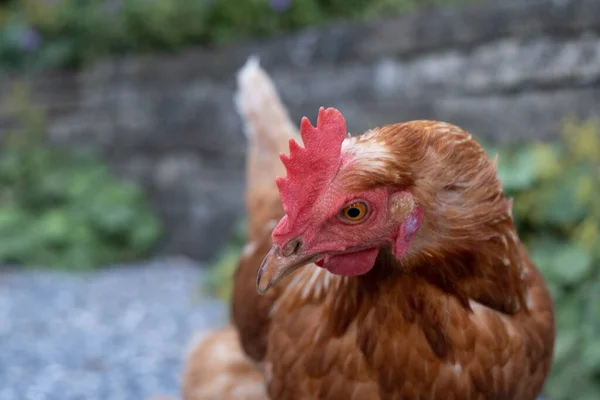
point(583, 139)
point(572, 264)
point(569, 314)
point(586, 188)
point(144, 234)
point(591, 356)
point(517, 170)
point(16, 242)
point(11, 218)
point(220, 282)
point(566, 345)
point(543, 249)
point(111, 209)
point(561, 262)
point(53, 226)
point(588, 234)
point(558, 202)
point(546, 160)
point(10, 167)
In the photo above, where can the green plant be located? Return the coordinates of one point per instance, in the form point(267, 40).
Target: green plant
point(38, 34)
point(65, 209)
point(220, 275)
point(556, 192)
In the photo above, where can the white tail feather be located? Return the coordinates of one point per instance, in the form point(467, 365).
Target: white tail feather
point(265, 117)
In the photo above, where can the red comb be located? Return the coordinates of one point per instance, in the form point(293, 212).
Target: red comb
point(310, 169)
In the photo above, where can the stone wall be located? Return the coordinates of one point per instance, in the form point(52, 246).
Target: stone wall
point(504, 70)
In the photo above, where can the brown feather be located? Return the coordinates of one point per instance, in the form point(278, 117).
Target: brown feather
point(464, 315)
point(229, 375)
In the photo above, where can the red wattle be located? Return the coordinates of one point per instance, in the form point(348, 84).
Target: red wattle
point(352, 264)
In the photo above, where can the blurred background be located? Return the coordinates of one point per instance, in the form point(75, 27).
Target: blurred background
point(122, 160)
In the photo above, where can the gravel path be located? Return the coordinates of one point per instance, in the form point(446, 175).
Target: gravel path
point(116, 334)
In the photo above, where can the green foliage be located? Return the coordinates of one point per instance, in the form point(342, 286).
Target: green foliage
point(65, 210)
point(68, 33)
point(220, 274)
point(556, 191)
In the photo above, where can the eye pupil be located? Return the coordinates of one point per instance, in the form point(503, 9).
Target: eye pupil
point(353, 212)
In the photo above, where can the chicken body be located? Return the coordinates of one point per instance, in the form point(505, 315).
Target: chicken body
point(390, 336)
point(463, 314)
point(217, 368)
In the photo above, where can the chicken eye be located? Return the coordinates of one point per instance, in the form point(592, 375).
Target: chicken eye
point(354, 212)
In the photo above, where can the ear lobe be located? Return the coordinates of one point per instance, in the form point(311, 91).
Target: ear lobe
point(401, 204)
point(406, 231)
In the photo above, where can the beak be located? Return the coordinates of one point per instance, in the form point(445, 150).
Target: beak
point(275, 267)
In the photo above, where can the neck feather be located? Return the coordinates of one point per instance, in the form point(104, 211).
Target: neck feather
point(488, 272)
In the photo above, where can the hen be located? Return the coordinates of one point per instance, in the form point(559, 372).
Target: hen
point(392, 271)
